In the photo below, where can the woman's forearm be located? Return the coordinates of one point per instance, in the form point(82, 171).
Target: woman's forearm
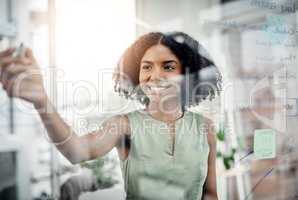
point(61, 134)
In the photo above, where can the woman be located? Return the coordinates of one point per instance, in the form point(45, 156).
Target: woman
point(163, 151)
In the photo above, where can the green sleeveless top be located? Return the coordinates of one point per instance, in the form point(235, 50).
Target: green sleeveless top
point(152, 171)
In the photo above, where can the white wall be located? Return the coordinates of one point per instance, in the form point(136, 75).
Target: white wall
point(171, 15)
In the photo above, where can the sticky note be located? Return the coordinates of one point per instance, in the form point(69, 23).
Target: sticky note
point(264, 143)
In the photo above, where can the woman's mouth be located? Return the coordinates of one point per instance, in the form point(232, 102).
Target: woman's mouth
point(158, 88)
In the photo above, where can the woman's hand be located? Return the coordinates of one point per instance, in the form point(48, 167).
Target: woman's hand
point(21, 77)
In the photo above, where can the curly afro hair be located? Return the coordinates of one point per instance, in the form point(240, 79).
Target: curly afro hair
point(201, 78)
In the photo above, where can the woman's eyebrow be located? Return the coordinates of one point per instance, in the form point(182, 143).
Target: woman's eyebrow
point(164, 62)
point(146, 61)
point(170, 61)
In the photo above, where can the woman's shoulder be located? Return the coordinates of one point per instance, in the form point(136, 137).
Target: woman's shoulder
point(125, 116)
point(124, 119)
point(204, 118)
point(120, 122)
point(131, 114)
point(195, 114)
point(208, 124)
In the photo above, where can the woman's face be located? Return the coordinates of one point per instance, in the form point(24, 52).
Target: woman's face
point(160, 70)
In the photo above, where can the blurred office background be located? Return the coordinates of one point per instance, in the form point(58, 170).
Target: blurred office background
point(78, 43)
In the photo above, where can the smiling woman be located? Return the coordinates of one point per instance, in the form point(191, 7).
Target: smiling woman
point(167, 73)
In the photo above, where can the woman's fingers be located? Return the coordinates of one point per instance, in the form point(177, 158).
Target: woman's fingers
point(6, 61)
point(6, 58)
point(8, 87)
point(9, 74)
point(7, 52)
point(16, 69)
point(27, 58)
point(13, 85)
point(11, 71)
point(29, 54)
point(24, 61)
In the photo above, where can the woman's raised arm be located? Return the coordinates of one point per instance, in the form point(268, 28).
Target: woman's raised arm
point(21, 77)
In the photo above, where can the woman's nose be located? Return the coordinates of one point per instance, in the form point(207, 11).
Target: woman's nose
point(156, 75)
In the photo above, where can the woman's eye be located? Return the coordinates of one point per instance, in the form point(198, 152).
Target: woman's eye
point(146, 67)
point(169, 67)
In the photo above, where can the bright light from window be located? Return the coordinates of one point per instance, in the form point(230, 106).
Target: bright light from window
point(92, 35)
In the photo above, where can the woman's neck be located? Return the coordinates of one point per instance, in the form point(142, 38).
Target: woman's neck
point(169, 111)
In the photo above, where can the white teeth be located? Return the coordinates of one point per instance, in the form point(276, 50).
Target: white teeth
point(157, 88)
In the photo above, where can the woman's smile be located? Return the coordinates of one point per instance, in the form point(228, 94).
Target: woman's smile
point(163, 88)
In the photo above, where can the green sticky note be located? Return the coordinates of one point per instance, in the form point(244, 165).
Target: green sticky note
point(264, 144)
